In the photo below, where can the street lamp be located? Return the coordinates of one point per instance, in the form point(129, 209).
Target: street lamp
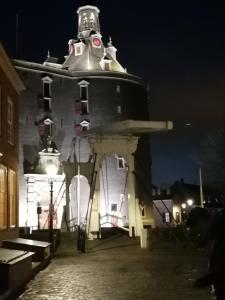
point(51, 170)
point(190, 202)
point(183, 205)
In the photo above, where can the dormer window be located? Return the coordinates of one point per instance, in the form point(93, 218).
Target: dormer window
point(79, 48)
point(107, 65)
point(47, 81)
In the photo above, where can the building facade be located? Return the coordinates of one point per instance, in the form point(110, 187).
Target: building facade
point(10, 87)
point(171, 206)
point(89, 117)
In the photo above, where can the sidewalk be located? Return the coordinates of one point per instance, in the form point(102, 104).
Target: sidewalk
point(118, 269)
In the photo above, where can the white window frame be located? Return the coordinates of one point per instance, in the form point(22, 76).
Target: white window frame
point(83, 84)
point(84, 124)
point(107, 62)
point(78, 49)
point(47, 80)
point(10, 121)
point(87, 105)
point(118, 159)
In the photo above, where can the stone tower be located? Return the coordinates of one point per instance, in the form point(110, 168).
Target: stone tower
point(94, 116)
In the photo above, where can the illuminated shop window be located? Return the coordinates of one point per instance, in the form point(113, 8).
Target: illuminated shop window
point(3, 197)
point(12, 197)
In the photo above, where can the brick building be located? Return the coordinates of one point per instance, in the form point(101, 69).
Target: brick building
point(10, 87)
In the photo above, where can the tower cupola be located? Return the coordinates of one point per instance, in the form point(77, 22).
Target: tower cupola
point(88, 20)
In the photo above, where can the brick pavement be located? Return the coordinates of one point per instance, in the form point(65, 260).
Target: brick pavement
point(117, 269)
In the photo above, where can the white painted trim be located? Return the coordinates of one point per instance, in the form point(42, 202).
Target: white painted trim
point(88, 7)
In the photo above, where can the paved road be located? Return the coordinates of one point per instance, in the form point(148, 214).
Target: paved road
point(117, 269)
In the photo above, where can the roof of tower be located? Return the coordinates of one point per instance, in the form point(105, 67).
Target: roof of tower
point(86, 7)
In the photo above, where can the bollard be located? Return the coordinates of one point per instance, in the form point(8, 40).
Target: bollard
point(146, 238)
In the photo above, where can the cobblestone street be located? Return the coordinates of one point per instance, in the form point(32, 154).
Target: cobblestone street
point(118, 269)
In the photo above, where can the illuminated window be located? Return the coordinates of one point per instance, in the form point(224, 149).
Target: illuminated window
point(3, 197)
point(113, 207)
point(0, 109)
point(10, 121)
point(120, 162)
point(12, 198)
point(166, 217)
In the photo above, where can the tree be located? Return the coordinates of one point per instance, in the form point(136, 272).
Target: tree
point(211, 158)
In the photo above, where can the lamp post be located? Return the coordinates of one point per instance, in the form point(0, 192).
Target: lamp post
point(51, 172)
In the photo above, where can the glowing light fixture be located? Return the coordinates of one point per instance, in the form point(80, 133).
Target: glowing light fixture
point(183, 205)
point(190, 202)
point(51, 170)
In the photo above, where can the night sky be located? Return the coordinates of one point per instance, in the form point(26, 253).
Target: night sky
point(177, 46)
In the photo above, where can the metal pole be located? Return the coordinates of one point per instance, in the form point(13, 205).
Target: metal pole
point(201, 189)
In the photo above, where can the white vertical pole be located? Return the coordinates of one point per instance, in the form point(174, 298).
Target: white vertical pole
point(201, 189)
point(78, 184)
point(78, 194)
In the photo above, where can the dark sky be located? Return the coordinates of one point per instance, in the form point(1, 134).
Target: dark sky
point(178, 46)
